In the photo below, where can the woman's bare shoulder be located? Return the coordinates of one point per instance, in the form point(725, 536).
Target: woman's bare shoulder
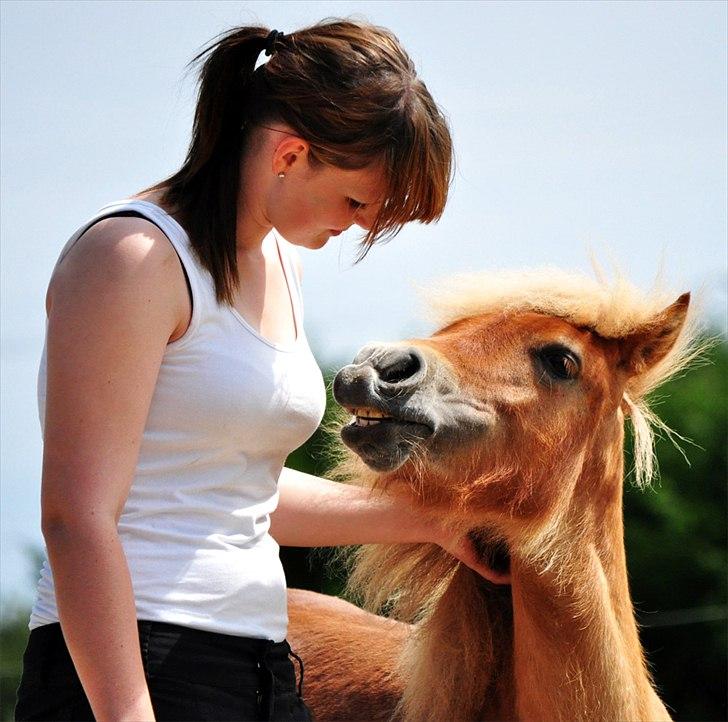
point(119, 251)
point(123, 243)
point(123, 262)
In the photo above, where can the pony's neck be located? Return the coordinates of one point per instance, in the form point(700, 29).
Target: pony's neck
point(577, 653)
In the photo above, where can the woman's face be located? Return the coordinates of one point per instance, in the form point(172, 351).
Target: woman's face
point(313, 202)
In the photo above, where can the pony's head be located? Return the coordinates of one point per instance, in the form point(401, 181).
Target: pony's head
point(493, 418)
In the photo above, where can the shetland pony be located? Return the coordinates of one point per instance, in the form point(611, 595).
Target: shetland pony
point(508, 423)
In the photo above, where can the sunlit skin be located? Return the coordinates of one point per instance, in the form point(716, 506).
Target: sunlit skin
point(307, 205)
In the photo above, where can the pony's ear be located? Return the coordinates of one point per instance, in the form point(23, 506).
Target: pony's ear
point(649, 344)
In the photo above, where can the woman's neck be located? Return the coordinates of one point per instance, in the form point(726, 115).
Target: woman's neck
point(252, 223)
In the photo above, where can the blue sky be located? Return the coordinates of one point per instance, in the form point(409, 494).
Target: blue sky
point(578, 126)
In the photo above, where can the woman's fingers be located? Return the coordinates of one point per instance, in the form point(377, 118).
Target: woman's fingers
point(463, 549)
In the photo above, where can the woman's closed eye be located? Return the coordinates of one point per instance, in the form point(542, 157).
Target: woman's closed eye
point(354, 204)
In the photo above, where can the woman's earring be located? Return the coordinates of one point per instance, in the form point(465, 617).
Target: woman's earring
point(281, 175)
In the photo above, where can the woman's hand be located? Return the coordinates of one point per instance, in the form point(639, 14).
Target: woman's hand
point(463, 547)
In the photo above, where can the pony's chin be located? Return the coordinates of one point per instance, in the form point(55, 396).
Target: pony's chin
point(387, 445)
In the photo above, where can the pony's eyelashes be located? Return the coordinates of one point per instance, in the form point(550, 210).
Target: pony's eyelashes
point(559, 362)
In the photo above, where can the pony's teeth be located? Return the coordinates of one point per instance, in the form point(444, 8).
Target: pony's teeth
point(360, 421)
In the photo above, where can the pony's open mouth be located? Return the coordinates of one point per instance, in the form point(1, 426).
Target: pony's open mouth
point(383, 441)
point(364, 416)
point(367, 416)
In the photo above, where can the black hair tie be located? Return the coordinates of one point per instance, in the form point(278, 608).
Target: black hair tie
point(274, 36)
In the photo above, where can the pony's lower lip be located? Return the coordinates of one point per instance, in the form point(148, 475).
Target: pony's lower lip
point(385, 447)
point(334, 233)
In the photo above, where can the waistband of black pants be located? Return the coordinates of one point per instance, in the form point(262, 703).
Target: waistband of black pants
point(175, 650)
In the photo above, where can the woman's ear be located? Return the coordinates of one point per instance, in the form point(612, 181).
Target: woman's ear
point(291, 152)
point(650, 344)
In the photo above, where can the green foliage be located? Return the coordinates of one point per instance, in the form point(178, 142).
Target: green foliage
point(676, 546)
point(13, 637)
point(316, 569)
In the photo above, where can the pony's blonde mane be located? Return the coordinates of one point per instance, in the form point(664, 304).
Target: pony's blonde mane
point(610, 308)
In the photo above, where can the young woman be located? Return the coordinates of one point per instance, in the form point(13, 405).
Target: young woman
point(176, 378)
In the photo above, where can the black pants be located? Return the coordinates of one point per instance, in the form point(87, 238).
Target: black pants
point(192, 675)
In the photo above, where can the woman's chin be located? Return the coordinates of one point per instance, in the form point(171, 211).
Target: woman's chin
point(315, 242)
point(306, 240)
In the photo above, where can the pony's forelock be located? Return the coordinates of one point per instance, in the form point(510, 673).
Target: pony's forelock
point(611, 309)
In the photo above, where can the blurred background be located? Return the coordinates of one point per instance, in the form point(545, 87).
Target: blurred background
point(579, 127)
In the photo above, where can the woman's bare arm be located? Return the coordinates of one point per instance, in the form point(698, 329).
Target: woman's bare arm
point(113, 304)
point(318, 512)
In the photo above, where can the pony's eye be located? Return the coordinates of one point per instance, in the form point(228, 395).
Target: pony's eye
point(559, 362)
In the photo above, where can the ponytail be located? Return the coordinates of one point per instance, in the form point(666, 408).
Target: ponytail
point(204, 191)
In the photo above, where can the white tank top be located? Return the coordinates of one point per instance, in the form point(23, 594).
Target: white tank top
point(227, 409)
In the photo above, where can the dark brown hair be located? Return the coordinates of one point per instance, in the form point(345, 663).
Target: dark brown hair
point(349, 89)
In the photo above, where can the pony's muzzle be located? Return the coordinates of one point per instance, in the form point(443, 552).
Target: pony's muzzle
point(380, 371)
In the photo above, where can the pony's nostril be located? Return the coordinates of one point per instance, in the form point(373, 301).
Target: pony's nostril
point(398, 366)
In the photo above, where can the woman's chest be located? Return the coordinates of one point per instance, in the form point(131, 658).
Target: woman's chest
point(230, 387)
